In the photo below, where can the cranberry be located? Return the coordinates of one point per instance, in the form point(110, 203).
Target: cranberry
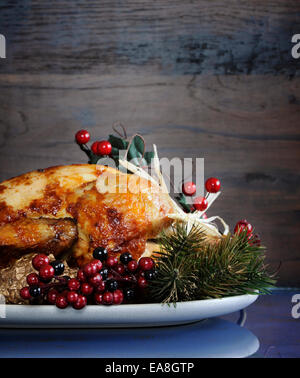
point(108, 298)
point(254, 240)
point(81, 276)
point(118, 297)
point(47, 272)
point(94, 148)
point(86, 288)
point(128, 278)
point(243, 225)
point(95, 280)
point(39, 260)
point(111, 261)
point(61, 301)
point(142, 282)
point(80, 303)
point(72, 297)
point(90, 269)
point(212, 185)
point(146, 263)
point(51, 296)
point(104, 147)
point(98, 263)
point(32, 279)
point(189, 188)
point(73, 284)
point(120, 269)
point(82, 136)
point(200, 203)
point(100, 288)
point(132, 266)
point(25, 293)
point(98, 297)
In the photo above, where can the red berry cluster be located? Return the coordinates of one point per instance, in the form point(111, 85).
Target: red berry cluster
point(212, 185)
point(105, 280)
point(244, 225)
point(101, 148)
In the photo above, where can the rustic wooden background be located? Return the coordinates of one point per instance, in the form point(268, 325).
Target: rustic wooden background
point(206, 78)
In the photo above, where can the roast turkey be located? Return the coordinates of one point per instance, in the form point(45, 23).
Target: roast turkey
point(64, 208)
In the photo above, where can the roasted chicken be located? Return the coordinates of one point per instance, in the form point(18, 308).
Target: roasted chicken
point(65, 207)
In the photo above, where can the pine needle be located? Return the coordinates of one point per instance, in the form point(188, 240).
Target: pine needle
point(188, 268)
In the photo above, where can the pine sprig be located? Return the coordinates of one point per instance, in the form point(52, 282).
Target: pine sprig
point(189, 268)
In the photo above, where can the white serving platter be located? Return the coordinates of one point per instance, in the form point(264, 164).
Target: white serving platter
point(122, 316)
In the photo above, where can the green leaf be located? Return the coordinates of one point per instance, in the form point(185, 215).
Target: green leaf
point(182, 200)
point(119, 143)
point(149, 155)
point(136, 149)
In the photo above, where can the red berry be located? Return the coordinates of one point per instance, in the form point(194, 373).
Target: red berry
point(107, 298)
point(142, 283)
point(212, 185)
point(104, 147)
point(47, 272)
point(254, 240)
point(86, 288)
point(200, 203)
point(100, 288)
point(32, 279)
point(51, 296)
point(204, 216)
point(146, 263)
point(90, 269)
point(118, 297)
point(111, 261)
point(82, 136)
point(61, 301)
point(24, 293)
point(132, 266)
point(80, 303)
point(39, 260)
point(120, 269)
point(98, 263)
point(128, 278)
point(73, 284)
point(94, 148)
point(72, 296)
point(81, 276)
point(243, 225)
point(189, 188)
point(95, 280)
point(98, 297)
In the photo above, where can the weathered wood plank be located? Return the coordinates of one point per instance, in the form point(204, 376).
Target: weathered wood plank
point(236, 36)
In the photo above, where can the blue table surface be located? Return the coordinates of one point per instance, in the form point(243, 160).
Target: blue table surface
point(269, 320)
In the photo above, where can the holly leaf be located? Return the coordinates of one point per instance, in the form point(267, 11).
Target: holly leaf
point(119, 143)
point(182, 201)
point(136, 150)
point(148, 156)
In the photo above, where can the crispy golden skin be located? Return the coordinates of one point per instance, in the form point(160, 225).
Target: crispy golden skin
point(36, 235)
point(118, 221)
